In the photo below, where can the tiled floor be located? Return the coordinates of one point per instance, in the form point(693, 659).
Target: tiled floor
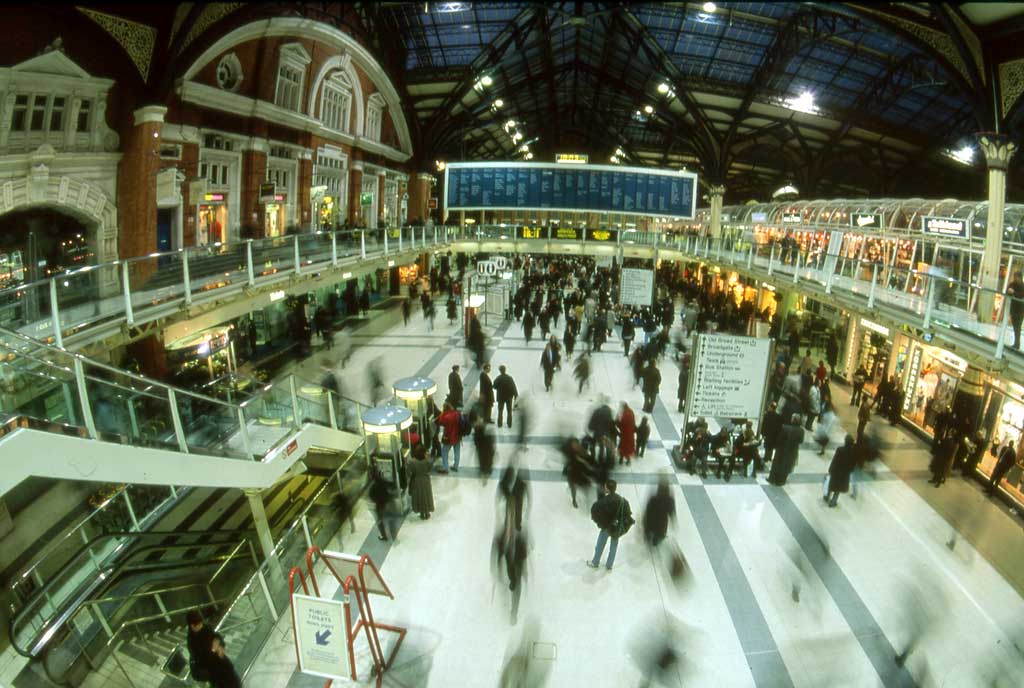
point(871, 576)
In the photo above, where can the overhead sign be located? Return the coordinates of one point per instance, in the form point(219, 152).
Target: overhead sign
point(792, 218)
point(866, 220)
point(947, 227)
point(566, 233)
point(636, 287)
point(550, 186)
point(267, 193)
point(572, 158)
point(532, 233)
point(610, 236)
point(493, 266)
point(729, 376)
point(321, 636)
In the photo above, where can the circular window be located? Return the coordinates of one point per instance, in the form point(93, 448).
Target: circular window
point(229, 73)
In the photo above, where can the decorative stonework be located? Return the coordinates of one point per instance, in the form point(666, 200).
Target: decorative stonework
point(1011, 83)
point(138, 40)
point(229, 73)
point(210, 15)
point(973, 43)
point(998, 150)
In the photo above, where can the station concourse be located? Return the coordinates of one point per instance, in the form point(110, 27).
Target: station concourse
point(744, 281)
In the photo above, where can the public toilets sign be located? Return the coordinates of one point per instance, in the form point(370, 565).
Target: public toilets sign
point(492, 267)
point(321, 636)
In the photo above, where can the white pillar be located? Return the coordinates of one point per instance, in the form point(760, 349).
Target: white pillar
point(259, 518)
point(715, 193)
point(998, 150)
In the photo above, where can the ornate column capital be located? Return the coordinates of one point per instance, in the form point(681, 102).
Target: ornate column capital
point(998, 149)
point(716, 189)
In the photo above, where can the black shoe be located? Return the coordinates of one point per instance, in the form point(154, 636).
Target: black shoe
point(382, 537)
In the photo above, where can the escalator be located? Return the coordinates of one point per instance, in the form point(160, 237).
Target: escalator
point(73, 621)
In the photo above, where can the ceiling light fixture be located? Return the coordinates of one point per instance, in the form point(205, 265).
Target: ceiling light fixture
point(486, 80)
point(499, 103)
point(709, 7)
point(648, 109)
point(663, 87)
point(964, 155)
point(509, 124)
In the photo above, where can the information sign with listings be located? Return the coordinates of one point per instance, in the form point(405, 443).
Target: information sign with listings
point(321, 636)
point(729, 376)
point(636, 287)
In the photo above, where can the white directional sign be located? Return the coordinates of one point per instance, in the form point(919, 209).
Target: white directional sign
point(728, 376)
point(636, 287)
point(321, 636)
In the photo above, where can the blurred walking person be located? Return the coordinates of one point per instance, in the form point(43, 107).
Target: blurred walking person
point(843, 462)
point(660, 509)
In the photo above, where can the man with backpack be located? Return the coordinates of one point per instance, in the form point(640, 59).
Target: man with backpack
point(612, 515)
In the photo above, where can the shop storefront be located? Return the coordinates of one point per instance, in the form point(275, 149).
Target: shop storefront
point(274, 217)
point(202, 357)
point(212, 223)
point(327, 213)
point(930, 382)
point(1003, 420)
point(872, 350)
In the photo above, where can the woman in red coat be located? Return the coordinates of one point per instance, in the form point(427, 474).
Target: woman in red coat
point(627, 434)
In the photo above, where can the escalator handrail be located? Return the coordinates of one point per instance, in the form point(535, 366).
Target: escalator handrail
point(111, 570)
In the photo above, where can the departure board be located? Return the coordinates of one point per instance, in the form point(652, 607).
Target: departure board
point(594, 188)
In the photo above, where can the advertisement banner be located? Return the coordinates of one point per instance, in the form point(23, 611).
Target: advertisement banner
point(532, 233)
point(947, 227)
point(610, 236)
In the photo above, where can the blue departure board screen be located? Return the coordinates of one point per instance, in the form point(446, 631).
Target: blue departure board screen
point(545, 186)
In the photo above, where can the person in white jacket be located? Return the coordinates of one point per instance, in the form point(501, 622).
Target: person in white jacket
point(813, 405)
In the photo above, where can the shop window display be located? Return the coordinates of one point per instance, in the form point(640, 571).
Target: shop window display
point(1004, 414)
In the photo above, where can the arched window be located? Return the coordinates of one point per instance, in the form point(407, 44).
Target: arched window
point(336, 102)
point(291, 74)
point(374, 116)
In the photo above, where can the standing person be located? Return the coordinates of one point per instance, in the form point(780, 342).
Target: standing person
point(450, 309)
point(449, 424)
point(430, 313)
point(643, 435)
point(222, 671)
point(771, 428)
point(483, 442)
point(505, 392)
point(821, 373)
point(843, 463)
point(381, 495)
point(813, 405)
point(700, 447)
point(684, 381)
point(550, 361)
point(406, 311)
point(569, 337)
point(609, 317)
point(528, 322)
point(628, 332)
point(420, 490)
point(859, 378)
point(974, 456)
point(200, 644)
point(1015, 291)
point(486, 392)
point(1007, 458)
point(651, 386)
point(627, 434)
point(863, 416)
point(792, 435)
point(661, 507)
point(942, 462)
point(602, 428)
point(612, 515)
point(581, 371)
point(455, 388)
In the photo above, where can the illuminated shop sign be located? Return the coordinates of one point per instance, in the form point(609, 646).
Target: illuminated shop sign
point(267, 193)
point(866, 220)
point(604, 235)
point(947, 227)
point(532, 233)
point(219, 198)
point(875, 327)
point(912, 375)
point(565, 233)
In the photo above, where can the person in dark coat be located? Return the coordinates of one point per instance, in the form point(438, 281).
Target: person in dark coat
point(406, 311)
point(380, 494)
point(942, 461)
point(651, 386)
point(661, 508)
point(684, 380)
point(771, 427)
point(450, 310)
point(636, 362)
point(612, 515)
point(455, 388)
point(528, 323)
point(581, 371)
point(1015, 291)
point(569, 338)
point(628, 333)
point(643, 435)
point(513, 487)
point(420, 490)
point(602, 428)
point(483, 442)
point(505, 393)
point(200, 646)
point(486, 393)
point(1007, 458)
point(550, 361)
point(791, 436)
point(578, 470)
point(843, 463)
point(222, 671)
